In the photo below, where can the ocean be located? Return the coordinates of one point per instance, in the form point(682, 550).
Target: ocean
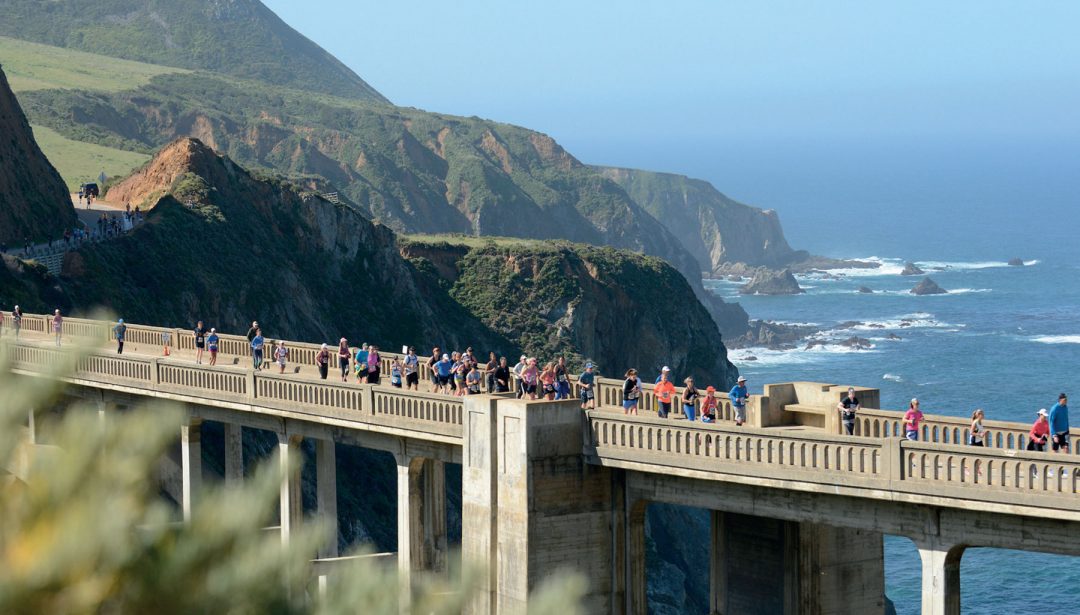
point(1005, 339)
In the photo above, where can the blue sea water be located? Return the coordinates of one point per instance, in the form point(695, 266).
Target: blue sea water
point(1006, 339)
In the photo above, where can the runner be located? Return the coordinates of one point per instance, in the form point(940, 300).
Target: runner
point(257, 343)
point(443, 370)
point(119, 331)
point(664, 390)
point(58, 326)
point(708, 405)
point(689, 399)
point(374, 364)
point(1059, 425)
point(847, 408)
point(562, 380)
point(547, 381)
point(502, 377)
point(631, 390)
point(459, 365)
point(281, 353)
point(395, 373)
point(322, 360)
point(977, 434)
point(1039, 433)
point(911, 420)
point(16, 320)
point(490, 368)
point(212, 345)
point(587, 383)
point(431, 368)
point(343, 359)
point(530, 377)
point(739, 397)
point(412, 365)
point(472, 381)
point(200, 341)
point(360, 365)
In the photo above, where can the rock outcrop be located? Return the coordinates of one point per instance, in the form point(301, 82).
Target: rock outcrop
point(614, 307)
point(769, 282)
point(928, 287)
point(34, 202)
point(1016, 262)
point(865, 290)
point(911, 268)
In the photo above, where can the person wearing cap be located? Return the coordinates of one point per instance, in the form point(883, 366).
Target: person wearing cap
point(518, 368)
point(1039, 433)
point(664, 371)
point(847, 408)
point(1059, 425)
point(739, 396)
point(443, 368)
point(708, 405)
point(664, 389)
point(587, 383)
point(631, 392)
point(912, 418)
point(119, 331)
point(212, 341)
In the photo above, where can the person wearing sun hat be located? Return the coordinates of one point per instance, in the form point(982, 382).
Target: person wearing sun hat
point(739, 397)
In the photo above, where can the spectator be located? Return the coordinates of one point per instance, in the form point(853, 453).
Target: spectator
point(431, 368)
point(200, 341)
point(562, 379)
point(502, 377)
point(587, 384)
point(518, 369)
point(16, 320)
point(58, 326)
point(490, 368)
point(119, 331)
point(472, 381)
point(689, 399)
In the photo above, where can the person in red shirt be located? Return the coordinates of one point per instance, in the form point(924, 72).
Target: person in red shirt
point(912, 418)
point(664, 390)
point(1040, 431)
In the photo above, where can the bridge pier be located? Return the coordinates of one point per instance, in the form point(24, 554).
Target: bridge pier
point(190, 462)
point(326, 494)
point(940, 577)
point(421, 520)
point(291, 511)
point(234, 454)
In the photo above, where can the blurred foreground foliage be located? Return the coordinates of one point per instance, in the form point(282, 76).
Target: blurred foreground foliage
point(84, 529)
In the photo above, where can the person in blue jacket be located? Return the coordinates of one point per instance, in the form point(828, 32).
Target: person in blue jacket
point(1059, 424)
point(738, 397)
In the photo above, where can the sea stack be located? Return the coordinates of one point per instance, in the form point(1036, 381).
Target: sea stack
point(911, 268)
point(767, 282)
point(865, 290)
point(928, 287)
point(1016, 262)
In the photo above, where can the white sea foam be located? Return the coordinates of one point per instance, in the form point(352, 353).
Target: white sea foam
point(892, 378)
point(964, 291)
point(917, 320)
point(886, 266)
point(794, 356)
point(962, 265)
point(1057, 339)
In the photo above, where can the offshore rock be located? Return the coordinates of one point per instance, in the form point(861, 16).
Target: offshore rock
point(766, 282)
point(911, 268)
point(928, 287)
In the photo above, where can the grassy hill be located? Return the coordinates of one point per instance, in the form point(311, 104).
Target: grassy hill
point(236, 37)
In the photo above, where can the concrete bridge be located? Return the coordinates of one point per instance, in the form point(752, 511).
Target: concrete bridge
point(798, 510)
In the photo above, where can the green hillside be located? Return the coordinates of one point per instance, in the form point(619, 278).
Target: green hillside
point(33, 66)
point(79, 162)
point(236, 37)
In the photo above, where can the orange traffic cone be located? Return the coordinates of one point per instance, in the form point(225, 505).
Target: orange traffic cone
point(166, 351)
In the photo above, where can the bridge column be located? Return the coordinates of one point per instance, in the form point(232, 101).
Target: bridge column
point(326, 494)
point(479, 500)
point(291, 510)
point(190, 463)
point(636, 580)
point(234, 454)
point(940, 577)
point(410, 515)
point(433, 478)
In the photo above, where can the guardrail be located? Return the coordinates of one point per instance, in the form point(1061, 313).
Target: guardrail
point(1004, 476)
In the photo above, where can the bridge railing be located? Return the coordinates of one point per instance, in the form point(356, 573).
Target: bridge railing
point(388, 406)
point(1006, 476)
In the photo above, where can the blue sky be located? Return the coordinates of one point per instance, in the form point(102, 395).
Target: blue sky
point(594, 70)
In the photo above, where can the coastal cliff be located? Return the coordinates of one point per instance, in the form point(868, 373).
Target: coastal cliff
point(34, 203)
point(613, 307)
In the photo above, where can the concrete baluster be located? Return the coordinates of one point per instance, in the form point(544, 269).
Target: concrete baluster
point(191, 463)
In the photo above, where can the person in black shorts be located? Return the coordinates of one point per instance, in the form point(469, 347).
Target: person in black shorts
point(200, 341)
point(847, 408)
point(411, 365)
point(435, 352)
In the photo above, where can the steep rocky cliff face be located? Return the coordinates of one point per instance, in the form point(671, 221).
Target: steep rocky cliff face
point(617, 308)
point(713, 228)
point(34, 202)
point(252, 248)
